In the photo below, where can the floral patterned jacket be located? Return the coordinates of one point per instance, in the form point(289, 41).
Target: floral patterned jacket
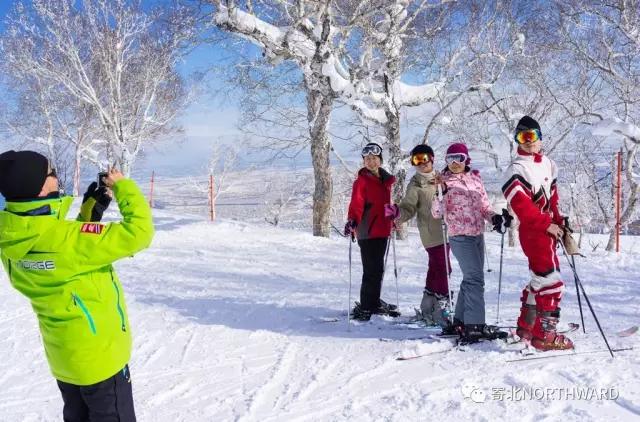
point(466, 204)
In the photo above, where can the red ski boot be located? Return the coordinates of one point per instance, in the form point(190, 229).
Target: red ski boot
point(545, 336)
point(527, 317)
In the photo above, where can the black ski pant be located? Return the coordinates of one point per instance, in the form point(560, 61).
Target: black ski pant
point(372, 252)
point(110, 400)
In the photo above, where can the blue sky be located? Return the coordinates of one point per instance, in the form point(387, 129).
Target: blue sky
point(204, 122)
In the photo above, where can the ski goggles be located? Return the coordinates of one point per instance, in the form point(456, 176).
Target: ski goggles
point(371, 150)
point(455, 158)
point(528, 136)
point(422, 158)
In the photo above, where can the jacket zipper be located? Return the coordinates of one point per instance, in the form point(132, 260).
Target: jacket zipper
point(120, 311)
point(78, 302)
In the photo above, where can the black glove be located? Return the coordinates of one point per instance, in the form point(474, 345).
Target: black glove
point(501, 221)
point(95, 201)
point(350, 228)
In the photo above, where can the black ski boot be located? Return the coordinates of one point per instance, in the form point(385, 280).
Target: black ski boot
point(387, 309)
point(452, 329)
point(360, 314)
point(491, 332)
point(472, 333)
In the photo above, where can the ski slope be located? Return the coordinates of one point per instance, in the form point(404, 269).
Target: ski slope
point(229, 324)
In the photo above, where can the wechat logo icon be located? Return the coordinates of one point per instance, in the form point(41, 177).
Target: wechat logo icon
point(470, 391)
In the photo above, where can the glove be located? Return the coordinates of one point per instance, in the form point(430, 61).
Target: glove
point(95, 202)
point(497, 220)
point(391, 211)
point(350, 228)
point(501, 221)
point(507, 218)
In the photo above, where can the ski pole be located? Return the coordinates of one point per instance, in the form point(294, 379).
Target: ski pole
point(486, 258)
point(395, 267)
point(446, 254)
point(573, 261)
point(351, 241)
point(500, 275)
point(586, 298)
point(384, 267)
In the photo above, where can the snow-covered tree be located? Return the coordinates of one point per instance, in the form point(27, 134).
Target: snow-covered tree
point(109, 55)
point(325, 40)
point(604, 39)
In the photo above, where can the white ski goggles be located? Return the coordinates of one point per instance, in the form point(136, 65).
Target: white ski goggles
point(455, 158)
point(371, 150)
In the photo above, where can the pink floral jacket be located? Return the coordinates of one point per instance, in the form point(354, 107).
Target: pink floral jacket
point(466, 204)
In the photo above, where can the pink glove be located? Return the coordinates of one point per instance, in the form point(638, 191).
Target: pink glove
point(391, 211)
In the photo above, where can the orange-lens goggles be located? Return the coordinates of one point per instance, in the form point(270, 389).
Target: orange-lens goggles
point(528, 136)
point(418, 159)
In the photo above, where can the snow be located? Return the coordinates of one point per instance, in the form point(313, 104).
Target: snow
point(416, 94)
point(249, 24)
point(607, 127)
point(228, 324)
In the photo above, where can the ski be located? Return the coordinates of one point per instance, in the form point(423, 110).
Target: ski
point(454, 347)
point(402, 358)
point(569, 353)
point(388, 339)
point(628, 332)
point(328, 319)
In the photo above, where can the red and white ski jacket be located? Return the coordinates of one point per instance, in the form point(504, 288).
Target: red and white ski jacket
point(532, 193)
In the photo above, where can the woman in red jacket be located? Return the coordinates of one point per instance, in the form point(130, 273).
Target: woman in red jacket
point(366, 219)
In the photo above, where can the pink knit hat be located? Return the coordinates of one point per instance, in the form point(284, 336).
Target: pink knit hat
point(459, 148)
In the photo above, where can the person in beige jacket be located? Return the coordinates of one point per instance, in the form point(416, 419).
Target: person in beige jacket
point(421, 191)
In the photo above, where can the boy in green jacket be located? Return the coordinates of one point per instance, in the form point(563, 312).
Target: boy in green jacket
point(64, 268)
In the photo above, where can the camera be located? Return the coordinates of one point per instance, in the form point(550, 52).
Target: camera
point(102, 175)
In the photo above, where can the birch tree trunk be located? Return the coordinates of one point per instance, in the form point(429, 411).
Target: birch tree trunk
point(319, 111)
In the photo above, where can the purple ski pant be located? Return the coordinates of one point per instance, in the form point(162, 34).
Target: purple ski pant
point(437, 271)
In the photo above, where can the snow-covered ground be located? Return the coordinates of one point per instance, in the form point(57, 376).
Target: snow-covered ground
point(228, 323)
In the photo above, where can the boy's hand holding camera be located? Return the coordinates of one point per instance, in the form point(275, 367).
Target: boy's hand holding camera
point(98, 196)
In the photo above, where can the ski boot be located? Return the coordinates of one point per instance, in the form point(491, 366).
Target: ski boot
point(360, 314)
point(527, 316)
point(441, 311)
point(472, 333)
point(426, 307)
point(452, 329)
point(387, 309)
point(435, 309)
point(491, 332)
point(545, 335)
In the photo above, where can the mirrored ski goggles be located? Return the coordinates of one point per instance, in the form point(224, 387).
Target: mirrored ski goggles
point(528, 136)
point(455, 158)
point(371, 150)
point(423, 158)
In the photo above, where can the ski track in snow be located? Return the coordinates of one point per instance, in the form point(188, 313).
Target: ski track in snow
point(226, 320)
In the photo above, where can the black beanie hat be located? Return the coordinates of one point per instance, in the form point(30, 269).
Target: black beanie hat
point(527, 123)
point(22, 174)
point(422, 149)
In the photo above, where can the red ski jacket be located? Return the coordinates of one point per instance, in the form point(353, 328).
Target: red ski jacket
point(369, 195)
